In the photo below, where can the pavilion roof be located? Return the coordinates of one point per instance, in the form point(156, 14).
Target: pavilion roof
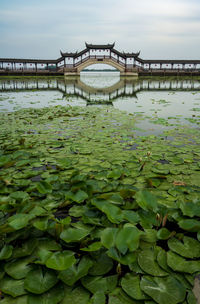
point(71, 54)
point(99, 46)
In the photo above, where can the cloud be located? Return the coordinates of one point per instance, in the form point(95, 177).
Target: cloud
point(40, 28)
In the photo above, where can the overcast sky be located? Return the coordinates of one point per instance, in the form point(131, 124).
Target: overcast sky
point(159, 28)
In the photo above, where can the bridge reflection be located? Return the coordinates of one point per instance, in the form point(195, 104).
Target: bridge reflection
point(75, 87)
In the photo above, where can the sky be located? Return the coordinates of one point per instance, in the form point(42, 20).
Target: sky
point(160, 29)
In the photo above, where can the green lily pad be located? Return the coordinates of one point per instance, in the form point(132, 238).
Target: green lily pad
point(94, 284)
point(98, 298)
point(188, 247)
point(79, 295)
point(127, 238)
point(38, 281)
point(74, 234)
point(75, 272)
point(12, 287)
point(18, 269)
point(191, 225)
point(6, 252)
point(147, 261)
point(146, 200)
point(131, 285)
point(61, 260)
point(20, 220)
point(18, 300)
point(178, 263)
point(52, 296)
point(163, 290)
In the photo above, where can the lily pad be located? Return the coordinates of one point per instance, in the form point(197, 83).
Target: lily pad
point(188, 247)
point(163, 290)
point(147, 261)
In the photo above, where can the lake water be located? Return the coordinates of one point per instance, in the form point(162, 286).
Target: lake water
point(172, 100)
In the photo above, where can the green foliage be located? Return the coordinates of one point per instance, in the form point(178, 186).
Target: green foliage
point(84, 219)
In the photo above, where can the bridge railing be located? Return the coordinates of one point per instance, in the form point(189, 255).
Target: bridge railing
point(98, 57)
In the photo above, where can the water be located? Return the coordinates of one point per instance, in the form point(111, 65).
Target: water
point(174, 100)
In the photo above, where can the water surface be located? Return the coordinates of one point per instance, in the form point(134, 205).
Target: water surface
point(173, 100)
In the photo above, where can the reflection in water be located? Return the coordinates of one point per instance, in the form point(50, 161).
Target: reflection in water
point(151, 97)
point(100, 80)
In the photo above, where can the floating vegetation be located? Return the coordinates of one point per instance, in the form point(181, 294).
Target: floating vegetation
point(85, 219)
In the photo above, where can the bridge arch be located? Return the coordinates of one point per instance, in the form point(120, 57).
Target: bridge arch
point(108, 61)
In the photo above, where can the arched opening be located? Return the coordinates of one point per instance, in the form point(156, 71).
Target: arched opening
point(100, 75)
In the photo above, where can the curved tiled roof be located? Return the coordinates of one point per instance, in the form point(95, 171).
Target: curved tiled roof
point(99, 46)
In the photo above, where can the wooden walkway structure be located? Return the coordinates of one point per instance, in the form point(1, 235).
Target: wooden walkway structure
point(69, 64)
